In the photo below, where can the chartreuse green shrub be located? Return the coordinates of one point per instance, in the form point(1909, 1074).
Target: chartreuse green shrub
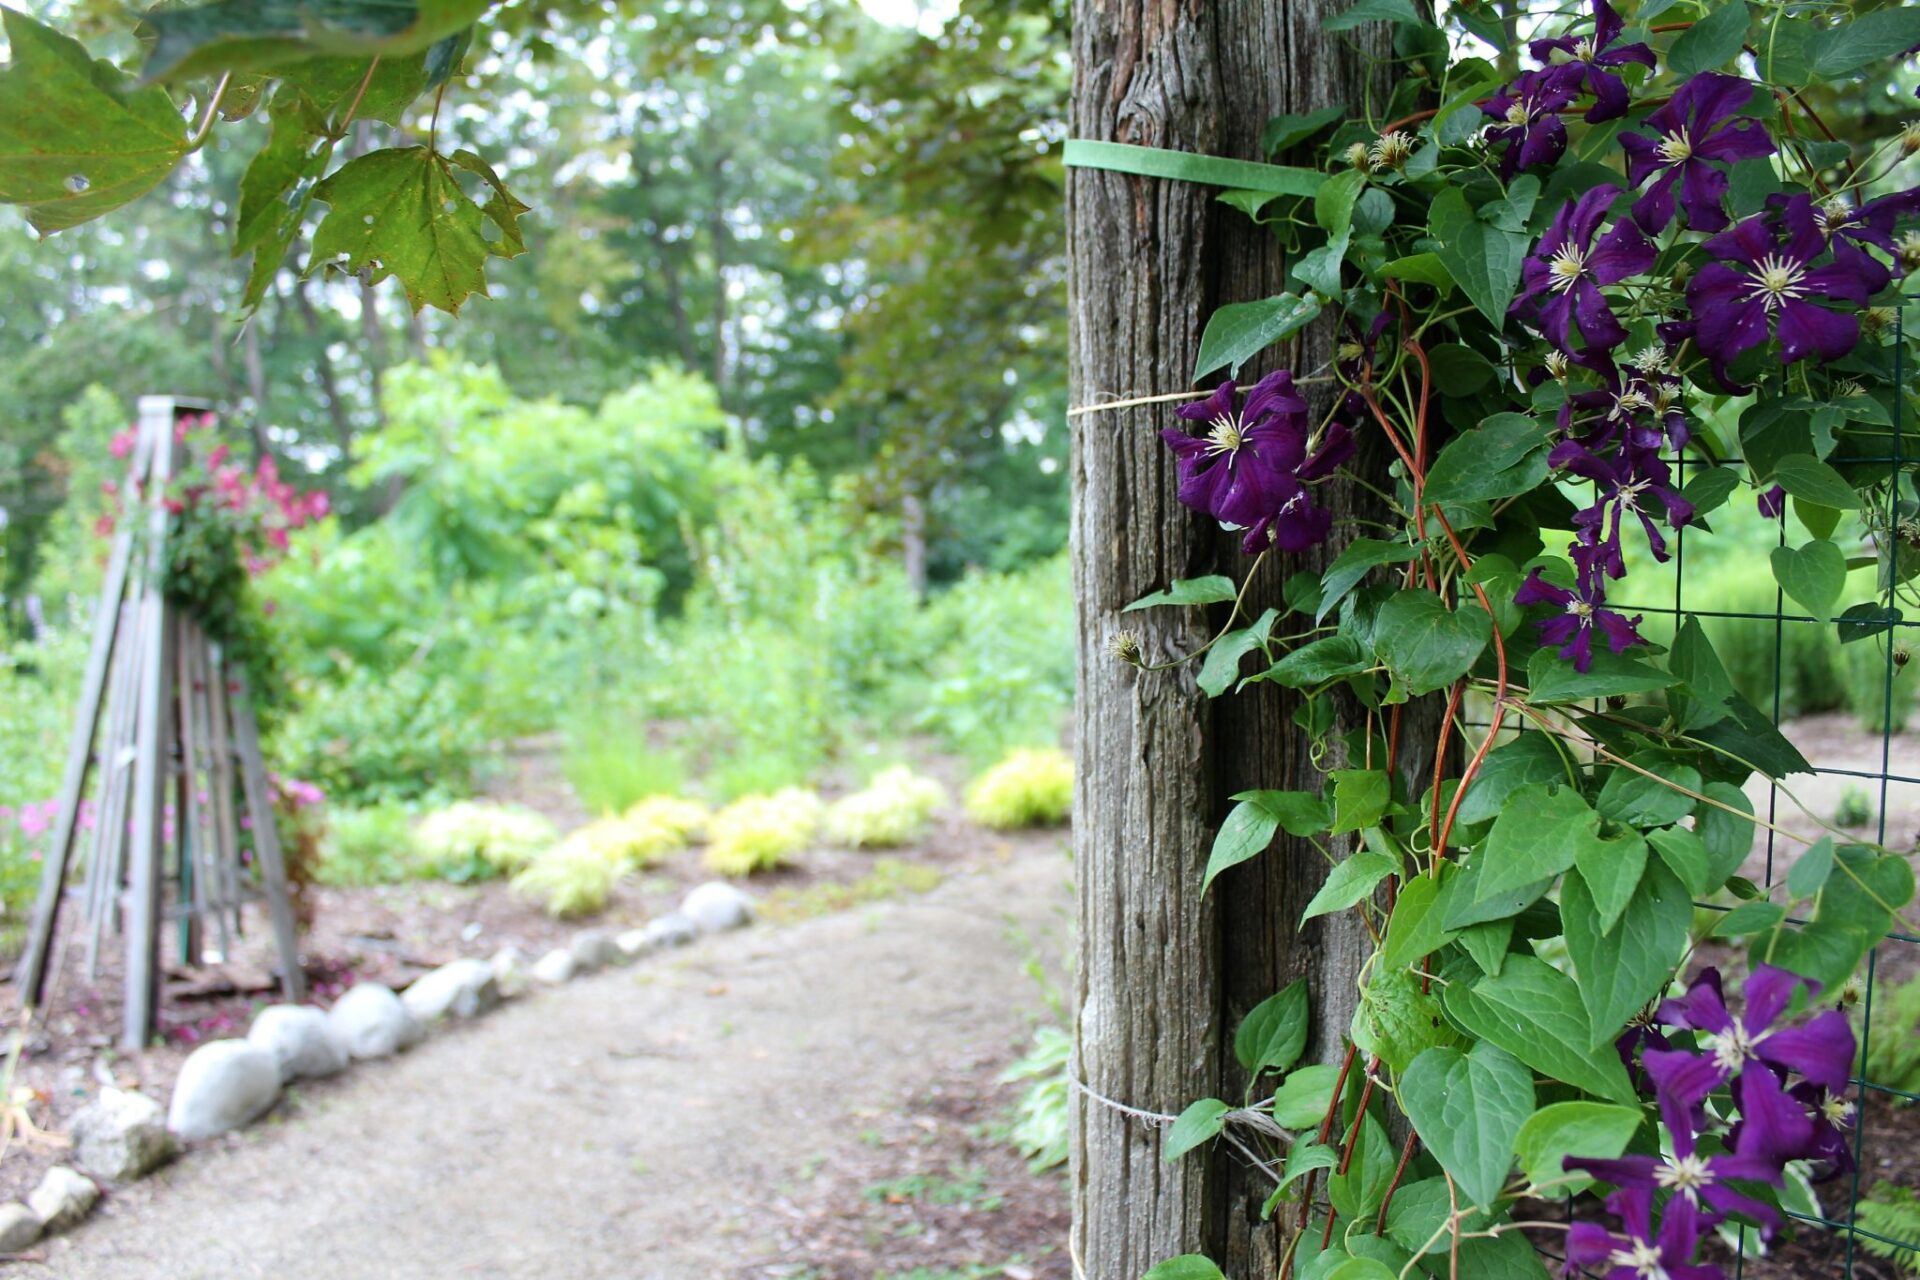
point(1032, 787)
point(573, 878)
point(627, 844)
point(761, 832)
point(685, 819)
point(892, 810)
point(472, 839)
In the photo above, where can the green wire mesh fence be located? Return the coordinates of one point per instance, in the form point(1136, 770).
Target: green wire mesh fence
point(1835, 1235)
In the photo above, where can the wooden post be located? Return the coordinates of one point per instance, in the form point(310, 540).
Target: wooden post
point(1165, 972)
point(142, 902)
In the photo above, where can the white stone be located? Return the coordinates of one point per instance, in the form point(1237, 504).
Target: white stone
point(555, 967)
point(633, 944)
point(372, 1023)
point(459, 989)
point(121, 1136)
point(592, 950)
point(301, 1039)
point(223, 1086)
point(509, 967)
point(716, 907)
point(63, 1198)
point(19, 1227)
point(670, 930)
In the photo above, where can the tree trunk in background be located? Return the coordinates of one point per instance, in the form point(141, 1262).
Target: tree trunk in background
point(913, 543)
point(1164, 976)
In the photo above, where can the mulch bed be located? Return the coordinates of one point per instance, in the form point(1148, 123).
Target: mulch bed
point(924, 1189)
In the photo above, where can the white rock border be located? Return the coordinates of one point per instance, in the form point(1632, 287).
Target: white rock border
point(66, 1196)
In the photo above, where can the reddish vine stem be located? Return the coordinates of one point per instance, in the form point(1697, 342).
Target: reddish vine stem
point(1399, 1172)
point(1472, 770)
point(1440, 759)
point(1353, 1138)
point(1326, 1131)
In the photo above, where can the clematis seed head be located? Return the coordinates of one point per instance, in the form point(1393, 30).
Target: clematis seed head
point(1391, 152)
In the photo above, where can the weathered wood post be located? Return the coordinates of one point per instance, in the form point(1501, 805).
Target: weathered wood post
point(1163, 975)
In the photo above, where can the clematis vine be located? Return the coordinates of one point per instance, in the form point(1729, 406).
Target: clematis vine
point(1766, 284)
point(1580, 615)
point(1701, 128)
point(1252, 467)
point(1560, 282)
point(1591, 63)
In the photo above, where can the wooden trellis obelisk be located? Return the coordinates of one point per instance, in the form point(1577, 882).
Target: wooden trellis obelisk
point(178, 722)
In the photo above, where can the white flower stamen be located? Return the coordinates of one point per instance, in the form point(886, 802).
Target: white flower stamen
point(1643, 1258)
point(1226, 434)
point(1675, 147)
point(1566, 267)
point(1734, 1047)
point(1685, 1174)
point(1776, 278)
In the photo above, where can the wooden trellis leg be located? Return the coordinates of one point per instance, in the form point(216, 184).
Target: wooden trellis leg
point(116, 777)
point(144, 870)
point(266, 839)
point(31, 975)
point(222, 779)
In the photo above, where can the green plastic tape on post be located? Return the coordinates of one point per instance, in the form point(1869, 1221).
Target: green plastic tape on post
point(1153, 162)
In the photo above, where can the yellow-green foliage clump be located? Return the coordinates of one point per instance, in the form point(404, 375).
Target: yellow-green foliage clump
point(1030, 788)
point(571, 879)
point(758, 833)
point(469, 833)
point(893, 810)
point(686, 819)
point(626, 845)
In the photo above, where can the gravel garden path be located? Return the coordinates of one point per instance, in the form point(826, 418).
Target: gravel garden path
point(636, 1123)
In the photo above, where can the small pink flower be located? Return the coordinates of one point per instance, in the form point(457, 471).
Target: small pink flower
point(122, 444)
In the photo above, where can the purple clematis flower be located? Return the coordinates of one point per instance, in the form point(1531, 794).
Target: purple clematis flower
point(1355, 356)
point(1560, 283)
point(1820, 1049)
point(1252, 467)
point(1624, 481)
point(1764, 288)
point(1833, 1116)
point(1638, 1253)
point(1241, 469)
point(1580, 62)
point(1639, 406)
point(1872, 223)
point(1527, 116)
point(1771, 503)
point(1701, 123)
point(1701, 1180)
point(1580, 615)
